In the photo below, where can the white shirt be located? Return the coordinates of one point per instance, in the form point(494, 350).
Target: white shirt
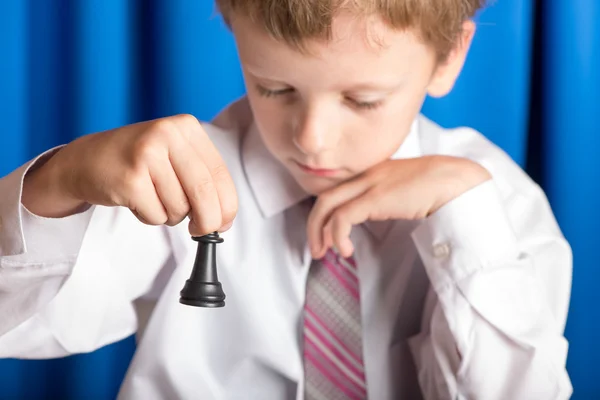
point(469, 303)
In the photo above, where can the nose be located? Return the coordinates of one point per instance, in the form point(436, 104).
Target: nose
point(316, 130)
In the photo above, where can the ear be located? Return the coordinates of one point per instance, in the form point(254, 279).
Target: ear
point(447, 71)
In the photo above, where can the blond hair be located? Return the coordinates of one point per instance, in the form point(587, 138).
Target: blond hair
point(437, 22)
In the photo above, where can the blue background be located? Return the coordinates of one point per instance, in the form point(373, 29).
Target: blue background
point(531, 84)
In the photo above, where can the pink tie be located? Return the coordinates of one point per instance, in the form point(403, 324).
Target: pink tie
point(332, 331)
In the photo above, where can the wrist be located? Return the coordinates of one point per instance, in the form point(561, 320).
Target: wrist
point(45, 190)
point(455, 176)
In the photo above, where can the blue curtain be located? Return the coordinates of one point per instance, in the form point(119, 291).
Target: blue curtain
point(531, 84)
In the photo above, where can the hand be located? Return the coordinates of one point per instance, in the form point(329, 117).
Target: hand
point(162, 170)
point(395, 189)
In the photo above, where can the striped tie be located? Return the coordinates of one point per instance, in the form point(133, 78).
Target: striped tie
point(332, 331)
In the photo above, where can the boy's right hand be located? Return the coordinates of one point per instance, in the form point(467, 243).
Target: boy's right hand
point(162, 170)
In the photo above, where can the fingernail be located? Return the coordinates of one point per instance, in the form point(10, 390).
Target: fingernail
point(350, 247)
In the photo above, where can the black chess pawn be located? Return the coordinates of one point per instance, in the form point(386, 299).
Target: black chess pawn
point(203, 289)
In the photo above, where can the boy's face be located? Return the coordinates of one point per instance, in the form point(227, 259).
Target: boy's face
point(348, 105)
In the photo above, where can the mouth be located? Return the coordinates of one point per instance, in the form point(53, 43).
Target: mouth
point(322, 172)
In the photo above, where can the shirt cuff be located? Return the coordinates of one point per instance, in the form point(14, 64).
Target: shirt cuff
point(35, 237)
point(469, 233)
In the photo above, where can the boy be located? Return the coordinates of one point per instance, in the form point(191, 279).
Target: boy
point(428, 265)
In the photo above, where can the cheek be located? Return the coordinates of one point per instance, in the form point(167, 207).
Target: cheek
point(271, 121)
point(388, 128)
point(375, 139)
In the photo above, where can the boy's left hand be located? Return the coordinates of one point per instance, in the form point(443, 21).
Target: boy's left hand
point(395, 189)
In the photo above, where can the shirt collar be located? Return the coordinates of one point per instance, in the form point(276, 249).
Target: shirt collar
point(275, 189)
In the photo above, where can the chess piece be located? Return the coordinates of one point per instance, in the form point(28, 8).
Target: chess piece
point(203, 289)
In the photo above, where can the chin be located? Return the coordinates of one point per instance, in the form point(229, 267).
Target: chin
point(316, 186)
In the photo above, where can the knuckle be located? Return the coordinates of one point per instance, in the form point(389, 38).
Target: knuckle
point(201, 189)
point(183, 206)
point(187, 120)
point(324, 198)
point(161, 128)
point(220, 173)
point(327, 201)
point(159, 136)
point(146, 149)
point(178, 212)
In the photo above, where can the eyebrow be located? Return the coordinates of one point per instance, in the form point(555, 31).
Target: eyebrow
point(375, 87)
point(258, 75)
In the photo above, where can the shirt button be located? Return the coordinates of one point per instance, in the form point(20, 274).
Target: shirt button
point(441, 250)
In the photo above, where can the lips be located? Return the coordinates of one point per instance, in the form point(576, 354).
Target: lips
point(324, 172)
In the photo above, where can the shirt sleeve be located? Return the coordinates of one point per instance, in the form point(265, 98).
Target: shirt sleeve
point(67, 285)
point(500, 272)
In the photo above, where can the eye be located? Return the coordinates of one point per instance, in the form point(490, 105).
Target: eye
point(365, 105)
point(263, 91)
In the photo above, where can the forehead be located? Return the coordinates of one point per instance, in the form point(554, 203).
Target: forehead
point(358, 47)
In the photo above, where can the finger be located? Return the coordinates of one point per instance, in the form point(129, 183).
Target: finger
point(145, 204)
point(327, 240)
point(344, 218)
point(326, 203)
point(205, 148)
point(226, 227)
point(170, 191)
point(199, 188)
